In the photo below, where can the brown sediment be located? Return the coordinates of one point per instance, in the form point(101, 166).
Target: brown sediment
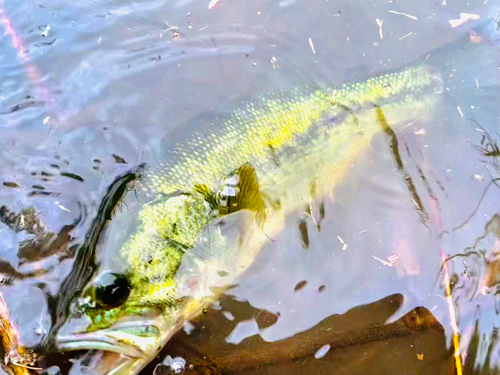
point(208, 352)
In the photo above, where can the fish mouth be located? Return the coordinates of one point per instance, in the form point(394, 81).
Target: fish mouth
point(124, 348)
point(112, 339)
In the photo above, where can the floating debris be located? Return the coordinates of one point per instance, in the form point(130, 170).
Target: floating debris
point(300, 285)
point(322, 351)
point(118, 159)
point(72, 175)
point(10, 184)
point(404, 36)
point(61, 206)
point(189, 327)
point(380, 23)
point(175, 365)
point(344, 245)
point(464, 17)
point(311, 45)
point(392, 259)
point(212, 3)
point(274, 59)
point(404, 14)
point(46, 31)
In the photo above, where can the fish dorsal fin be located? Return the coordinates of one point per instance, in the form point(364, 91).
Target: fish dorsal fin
point(240, 191)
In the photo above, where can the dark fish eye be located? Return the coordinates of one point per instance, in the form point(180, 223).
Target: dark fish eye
point(111, 290)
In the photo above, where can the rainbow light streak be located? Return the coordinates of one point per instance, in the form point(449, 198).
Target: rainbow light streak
point(451, 309)
point(436, 214)
point(9, 333)
point(9, 30)
point(31, 70)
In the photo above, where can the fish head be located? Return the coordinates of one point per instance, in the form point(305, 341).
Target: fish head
point(123, 339)
point(125, 336)
point(133, 313)
point(181, 257)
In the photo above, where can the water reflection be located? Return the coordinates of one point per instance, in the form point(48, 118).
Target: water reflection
point(89, 87)
point(358, 340)
point(475, 278)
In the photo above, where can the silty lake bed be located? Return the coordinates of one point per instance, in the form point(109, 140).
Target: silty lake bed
point(90, 90)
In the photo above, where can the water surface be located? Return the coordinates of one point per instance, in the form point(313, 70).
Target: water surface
point(90, 89)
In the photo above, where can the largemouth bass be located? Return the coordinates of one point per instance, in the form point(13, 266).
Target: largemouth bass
point(224, 193)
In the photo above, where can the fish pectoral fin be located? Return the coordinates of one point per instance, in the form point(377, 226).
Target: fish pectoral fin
point(225, 248)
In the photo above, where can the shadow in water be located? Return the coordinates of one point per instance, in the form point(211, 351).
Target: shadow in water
point(360, 343)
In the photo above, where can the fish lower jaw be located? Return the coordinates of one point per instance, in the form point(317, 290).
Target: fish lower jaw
point(118, 350)
point(112, 356)
point(92, 341)
point(123, 349)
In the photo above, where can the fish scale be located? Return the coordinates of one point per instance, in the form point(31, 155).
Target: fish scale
point(274, 120)
point(289, 123)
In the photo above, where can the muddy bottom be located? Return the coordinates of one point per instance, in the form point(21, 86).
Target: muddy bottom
point(360, 343)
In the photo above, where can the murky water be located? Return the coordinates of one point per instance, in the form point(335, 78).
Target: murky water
point(89, 90)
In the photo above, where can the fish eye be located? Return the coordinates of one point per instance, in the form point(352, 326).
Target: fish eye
point(111, 290)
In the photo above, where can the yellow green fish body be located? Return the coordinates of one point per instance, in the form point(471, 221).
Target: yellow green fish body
point(225, 191)
point(285, 119)
point(285, 137)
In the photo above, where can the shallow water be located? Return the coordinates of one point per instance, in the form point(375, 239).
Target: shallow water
point(90, 89)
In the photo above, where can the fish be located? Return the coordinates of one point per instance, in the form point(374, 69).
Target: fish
point(224, 192)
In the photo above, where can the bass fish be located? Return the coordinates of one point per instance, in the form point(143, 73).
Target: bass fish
point(221, 195)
